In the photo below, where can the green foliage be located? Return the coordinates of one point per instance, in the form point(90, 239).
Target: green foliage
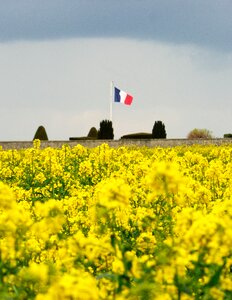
point(158, 131)
point(228, 135)
point(41, 134)
point(106, 131)
point(199, 134)
point(139, 135)
point(92, 133)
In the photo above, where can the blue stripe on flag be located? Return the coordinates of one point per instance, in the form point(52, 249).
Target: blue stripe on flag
point(117, 96)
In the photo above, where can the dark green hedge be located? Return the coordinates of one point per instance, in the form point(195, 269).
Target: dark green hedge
point(82, 138)
point(228, 135)
point(140, 135)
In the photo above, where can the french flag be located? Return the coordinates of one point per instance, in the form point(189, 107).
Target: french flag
point(122, 97)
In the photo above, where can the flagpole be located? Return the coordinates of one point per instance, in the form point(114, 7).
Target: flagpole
point(111, 100)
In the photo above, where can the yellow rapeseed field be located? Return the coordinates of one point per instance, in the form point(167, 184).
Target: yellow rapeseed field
point(116, 223)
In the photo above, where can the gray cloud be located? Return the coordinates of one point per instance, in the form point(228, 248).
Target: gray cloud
point(206, 23)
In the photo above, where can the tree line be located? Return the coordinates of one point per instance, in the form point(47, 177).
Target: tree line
point(106, 132)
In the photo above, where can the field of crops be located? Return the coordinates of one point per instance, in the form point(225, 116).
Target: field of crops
point(116, 223)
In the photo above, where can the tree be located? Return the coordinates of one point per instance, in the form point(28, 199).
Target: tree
point(199, 134)
point(158, 131)
point(106, 131)
point(41, 134)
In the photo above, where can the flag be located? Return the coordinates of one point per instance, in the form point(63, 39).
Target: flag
point(122, 97)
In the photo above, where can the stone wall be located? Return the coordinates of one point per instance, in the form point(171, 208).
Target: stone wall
point(117, 143)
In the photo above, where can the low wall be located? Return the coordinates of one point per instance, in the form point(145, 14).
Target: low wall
point(117, 143)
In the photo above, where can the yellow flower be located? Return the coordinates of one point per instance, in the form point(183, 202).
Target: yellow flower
point(77, 285)
point(118, 266)
point(165, 178)
point(35, 273)
point(216, 294)
point(36, 143)
point(146, 242)
point(113, 193)
point(7, 198)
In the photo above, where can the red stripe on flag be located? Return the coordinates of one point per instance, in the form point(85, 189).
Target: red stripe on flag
point(128, 99)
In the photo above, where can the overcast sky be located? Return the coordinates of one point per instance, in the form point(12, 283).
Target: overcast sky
point(58, 57)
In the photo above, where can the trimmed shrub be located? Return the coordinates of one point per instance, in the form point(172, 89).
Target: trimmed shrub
point(158, 130)
point(199, 134)
point(106, 131)
point(92, 133)
point(227, 135)
point(41, 134)
point(139, 135)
